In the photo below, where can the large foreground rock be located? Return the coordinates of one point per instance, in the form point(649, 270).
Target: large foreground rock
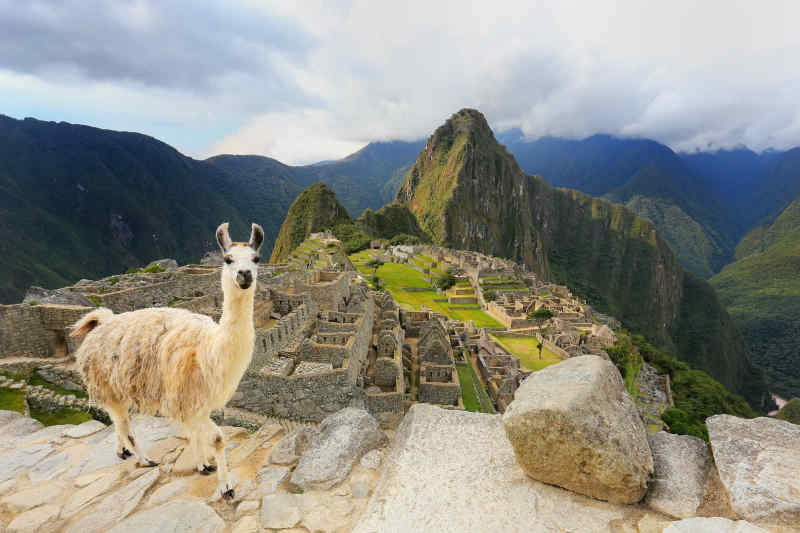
point(455, 471)
point(574, 425)
point(339, 441)
point(681, 467)
point(759, 464)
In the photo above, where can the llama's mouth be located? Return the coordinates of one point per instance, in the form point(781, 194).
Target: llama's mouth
point(244, 280)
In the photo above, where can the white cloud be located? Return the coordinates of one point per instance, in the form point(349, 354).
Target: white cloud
point(301, 81)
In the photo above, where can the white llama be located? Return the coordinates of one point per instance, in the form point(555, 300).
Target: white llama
point(175, 362)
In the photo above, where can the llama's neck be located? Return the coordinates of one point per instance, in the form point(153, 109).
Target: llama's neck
point(235, 336)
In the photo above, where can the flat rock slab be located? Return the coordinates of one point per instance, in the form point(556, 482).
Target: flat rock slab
point(148, 430)
point(116, 506)
point(758, 462)
point(574, 425)
point(455, 471)
point(338, 442)
point(20, 427)
point(13, 463)
point(712, 525)
point(89, 427)
point(174, 517)
point(681, 466)
point(34, 520)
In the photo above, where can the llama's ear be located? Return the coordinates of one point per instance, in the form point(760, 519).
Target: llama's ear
point(223, 238)
point(256, 237)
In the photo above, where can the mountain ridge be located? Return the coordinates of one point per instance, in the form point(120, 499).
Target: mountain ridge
point(468, 192)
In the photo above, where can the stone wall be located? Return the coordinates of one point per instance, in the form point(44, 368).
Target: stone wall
point(37, 330)
point(386, 372)
point(269, 341)
point(301, 397)
point(441, 393)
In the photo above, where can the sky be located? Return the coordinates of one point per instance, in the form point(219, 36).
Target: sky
point(309, 81)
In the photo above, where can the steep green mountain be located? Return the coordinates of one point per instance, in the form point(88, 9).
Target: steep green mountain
point(762, 293)
point(468, 192)
point(77, 201)
point(314, 210)
point(389, 221)
point(648, 178)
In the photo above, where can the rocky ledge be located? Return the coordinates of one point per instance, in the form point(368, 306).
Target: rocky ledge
point(67, 478)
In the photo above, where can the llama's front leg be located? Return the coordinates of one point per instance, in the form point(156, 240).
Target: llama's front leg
point(217, 441)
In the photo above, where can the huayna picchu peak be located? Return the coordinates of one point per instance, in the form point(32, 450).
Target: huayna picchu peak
point(468, 192)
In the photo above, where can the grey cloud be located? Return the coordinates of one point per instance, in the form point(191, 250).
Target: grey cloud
point(156, 43)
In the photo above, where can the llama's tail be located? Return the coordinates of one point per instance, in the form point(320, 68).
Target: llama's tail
point(91, 320)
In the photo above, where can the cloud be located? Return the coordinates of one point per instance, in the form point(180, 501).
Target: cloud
point(301, 81)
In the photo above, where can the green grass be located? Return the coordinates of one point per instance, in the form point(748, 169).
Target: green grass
point(62, 416)
point(468, 395)
point(526, 349)
point(12, 400)
point(398, 276)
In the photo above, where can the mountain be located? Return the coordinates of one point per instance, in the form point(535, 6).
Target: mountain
point(648, 178)
point(77, 201)
point(755, 188)
point(762, 292)
point(468, 192)
point(314, 210)
point(360, 179)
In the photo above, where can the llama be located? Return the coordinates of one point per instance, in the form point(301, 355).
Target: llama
point(174, 362)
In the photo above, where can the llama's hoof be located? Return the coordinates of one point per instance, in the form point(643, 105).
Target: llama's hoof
point(124, 454)
point(208, 469)
point(148, 463)
point(228, 495)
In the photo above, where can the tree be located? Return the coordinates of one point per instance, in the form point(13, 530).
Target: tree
point(446, 281)
point(540, 316)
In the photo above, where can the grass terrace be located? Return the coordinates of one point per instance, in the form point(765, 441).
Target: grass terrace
point(526, 349)
point(397, 277)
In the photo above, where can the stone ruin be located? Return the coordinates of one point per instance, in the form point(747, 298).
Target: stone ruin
point(315, 332)
point(438, 379)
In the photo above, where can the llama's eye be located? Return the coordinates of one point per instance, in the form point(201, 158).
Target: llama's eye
point(228, 260)
point(256, 259)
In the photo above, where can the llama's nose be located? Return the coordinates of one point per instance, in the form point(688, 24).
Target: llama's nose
point(244, 278)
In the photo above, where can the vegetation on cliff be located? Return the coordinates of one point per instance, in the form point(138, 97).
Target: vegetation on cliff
point(762, 292)
point(696, 394)
point(468, 192)
point(314, 210)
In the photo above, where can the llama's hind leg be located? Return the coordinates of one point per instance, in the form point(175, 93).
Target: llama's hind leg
point(119, 417)
point(126, 443)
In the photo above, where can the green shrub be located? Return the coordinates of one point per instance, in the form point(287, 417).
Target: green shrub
point(679, 423)
point(404, 238)
point(790, 412)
